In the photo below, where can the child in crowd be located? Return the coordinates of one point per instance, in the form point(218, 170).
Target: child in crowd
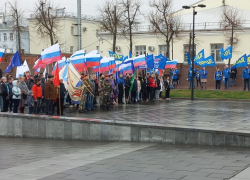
point(31, 102)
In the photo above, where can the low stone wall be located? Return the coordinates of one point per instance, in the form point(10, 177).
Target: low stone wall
point(31, 126)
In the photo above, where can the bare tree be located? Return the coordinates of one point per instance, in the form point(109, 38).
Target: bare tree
point(47, 21)
point(129, 18)
point(164, 21)
point(110, 19)
point(19, 28)
point(231, 20)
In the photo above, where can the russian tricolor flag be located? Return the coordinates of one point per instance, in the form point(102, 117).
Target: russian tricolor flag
point(39, 64)
point(171, 64)
point(1, 54)
point(93, 60)
point(127, 67)
point(104, 64)
point(140, 60)
point(61, 64)
point(112, 64)
point(51, 54)
point(78, 53)
point(95, 69)
point(78, 60)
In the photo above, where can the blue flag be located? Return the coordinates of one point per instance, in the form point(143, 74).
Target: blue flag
point(209, 61)
point(227, 54)
point(150, 61)
point(119, 57)
point(241, 62)
point(200, 56)
point(130, 54)
point(15, 61)
point(248, 59)
point(188, 59)
point(162, 63)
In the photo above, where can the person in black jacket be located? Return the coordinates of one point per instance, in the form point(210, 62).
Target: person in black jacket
point(30, 82)
point(233, 77)
point(10, 86)
point(4, 94)
point(144, 85)
point(127, 87)
point(133, 92)
point(167, 88)
point(62, 94)
point(1, 73)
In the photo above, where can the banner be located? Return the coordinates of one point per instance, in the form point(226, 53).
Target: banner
point(200, 56)
point(209, 61)
point(119, 57)
point(248, 59)
point(241, 62)
point(188, 59)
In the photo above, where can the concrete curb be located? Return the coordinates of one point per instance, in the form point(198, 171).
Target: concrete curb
point(34, 126)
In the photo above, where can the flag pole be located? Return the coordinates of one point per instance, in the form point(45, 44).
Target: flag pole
point(60, 108)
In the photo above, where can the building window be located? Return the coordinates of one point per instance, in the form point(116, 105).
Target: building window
point(11, 36)
point(72, 30)
point(139, 50)
point(163, 50)
point(71, 49)
point(11, 50)
point(4, 37)
point(215, 51)
point(186, 49)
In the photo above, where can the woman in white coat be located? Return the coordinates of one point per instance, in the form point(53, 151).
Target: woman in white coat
point(16, 91)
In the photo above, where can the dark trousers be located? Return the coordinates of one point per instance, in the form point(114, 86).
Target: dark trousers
point(22, 109)
point(133, 96)
point(246, 82)
point(10, 104)
point(148, 92)
point(38, 105)
point(31, 110)
point(57, 105)
point(5, 104)
point(152, 93)
point(16, 103)
point(144, 94)
point(120, 95)
point(49, 106)
point(126, 94)
point(198, 81)
point(217, 84)
point(167, 93)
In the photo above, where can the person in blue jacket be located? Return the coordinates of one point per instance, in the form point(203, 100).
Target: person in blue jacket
point(226, 73)
point(245, 77)
point(190, 77)
point(198, 77)
point(175, 76)
point(204, 77)
point(217, 77)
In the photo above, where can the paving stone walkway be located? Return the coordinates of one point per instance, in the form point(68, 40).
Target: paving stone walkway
point(39, 159)
point(232, 116)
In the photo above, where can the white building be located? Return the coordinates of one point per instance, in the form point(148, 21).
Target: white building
point(209, 34)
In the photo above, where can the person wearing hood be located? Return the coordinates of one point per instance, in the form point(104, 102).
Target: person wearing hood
point(37, 94)
point(24, 91)
point(31, 102)
point(16, 95)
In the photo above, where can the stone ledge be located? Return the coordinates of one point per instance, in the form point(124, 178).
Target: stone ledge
point(33, 126)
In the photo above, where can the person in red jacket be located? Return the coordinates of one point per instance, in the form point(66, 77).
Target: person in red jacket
point(152, 85)
point(38, 95)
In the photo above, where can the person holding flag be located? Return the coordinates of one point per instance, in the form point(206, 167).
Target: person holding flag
point(204, 77)
point(217, 77)
point(175, 77)
point(226, 74)
point(50, 92)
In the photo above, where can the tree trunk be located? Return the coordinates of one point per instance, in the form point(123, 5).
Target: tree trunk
point(130, 29)
point(51, 39)
point(115, 33)
point(168, 48)
point(232, 39)
point(18, 35)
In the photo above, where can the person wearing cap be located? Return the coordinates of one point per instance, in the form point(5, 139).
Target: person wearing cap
point(49, 91)
point(245, 77)
point(102, 77)
point(107, 89)
point(226, 74)
point(82, 104)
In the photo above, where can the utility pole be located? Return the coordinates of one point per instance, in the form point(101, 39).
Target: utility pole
point(79, 23)
point(115, 33)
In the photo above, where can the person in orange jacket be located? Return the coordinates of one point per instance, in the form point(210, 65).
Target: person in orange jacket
point(38, 95)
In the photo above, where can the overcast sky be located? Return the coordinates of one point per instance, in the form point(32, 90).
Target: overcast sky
point(88, 6)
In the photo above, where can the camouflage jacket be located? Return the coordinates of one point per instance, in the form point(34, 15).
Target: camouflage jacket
point(106, 87)
point(100, 85)
point(86, 84)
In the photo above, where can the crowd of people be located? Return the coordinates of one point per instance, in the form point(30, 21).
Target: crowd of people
point(41, 96)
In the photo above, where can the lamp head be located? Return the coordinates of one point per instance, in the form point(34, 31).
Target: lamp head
point(186, 7)
point(201, 5)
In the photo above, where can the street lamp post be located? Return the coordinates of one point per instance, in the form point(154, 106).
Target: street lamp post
point(194, 13)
